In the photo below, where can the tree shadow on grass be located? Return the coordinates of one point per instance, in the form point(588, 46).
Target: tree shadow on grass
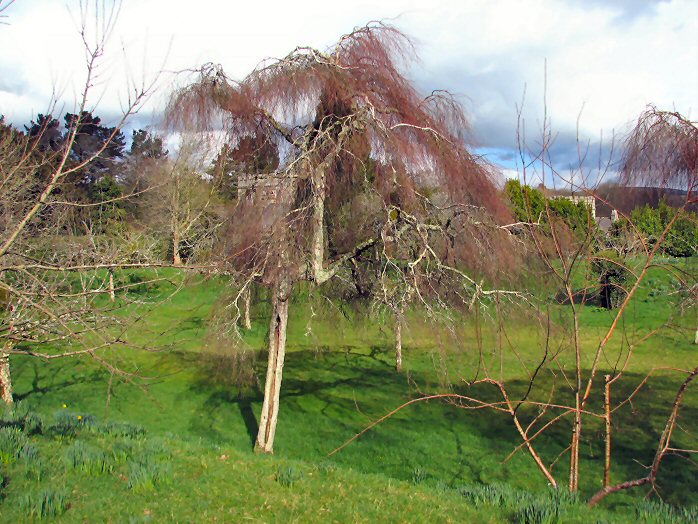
point(249, 418)
point(636, 431)
point(329, 396)
point(49, 379)
point(308, 373)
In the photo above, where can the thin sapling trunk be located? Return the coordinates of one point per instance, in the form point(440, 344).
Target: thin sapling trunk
point(398, 339)
point(247, 298)
point(275, 366)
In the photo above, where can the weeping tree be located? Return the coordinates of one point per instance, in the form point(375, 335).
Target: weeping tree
point(366, 165)
point(662, 151)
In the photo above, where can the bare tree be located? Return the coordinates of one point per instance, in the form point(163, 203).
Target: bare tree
point(563, 380)
point(50, 282)
point(183, 204)
point(664, 448)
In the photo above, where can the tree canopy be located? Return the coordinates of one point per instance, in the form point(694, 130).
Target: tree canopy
point(366, 165)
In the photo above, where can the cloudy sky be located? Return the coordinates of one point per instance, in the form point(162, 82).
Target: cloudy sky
point(606, 60)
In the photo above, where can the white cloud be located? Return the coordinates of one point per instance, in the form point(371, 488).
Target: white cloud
point(609, 58)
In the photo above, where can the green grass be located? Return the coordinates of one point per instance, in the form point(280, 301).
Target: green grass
point(180, 448)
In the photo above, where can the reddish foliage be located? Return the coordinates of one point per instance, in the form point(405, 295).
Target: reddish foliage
point(662, 151)
point(352, 110)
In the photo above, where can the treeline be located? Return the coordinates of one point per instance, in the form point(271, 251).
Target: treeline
point(170, 206)
point(532, 205)
point(681, 239)
point(161, 205)
point(642, 227)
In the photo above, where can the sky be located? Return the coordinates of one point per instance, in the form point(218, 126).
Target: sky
point(597, 64)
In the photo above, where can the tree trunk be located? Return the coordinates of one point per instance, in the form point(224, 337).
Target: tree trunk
point(398, 340)
point(695, 341)
point(607, 419)
point(275, 365)
point(247, 298)
point(577, 423)
point(112, 295)
point(574, 447)
point(176, 259)
point(318, 241)
point(5, 378)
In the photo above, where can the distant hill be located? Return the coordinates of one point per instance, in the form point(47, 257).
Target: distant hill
point(625, 199)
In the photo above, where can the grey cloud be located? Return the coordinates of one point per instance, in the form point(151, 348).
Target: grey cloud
point(491, 98)
point(13, 81)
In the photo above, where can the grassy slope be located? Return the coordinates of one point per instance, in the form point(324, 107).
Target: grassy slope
point(337, 379)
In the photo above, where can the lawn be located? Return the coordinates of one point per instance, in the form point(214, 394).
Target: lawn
point(176, 442)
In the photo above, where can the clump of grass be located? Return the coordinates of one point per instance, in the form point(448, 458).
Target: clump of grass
point(12, 440)
point(157, 448)
point(145, 474)
point(11, 414)
point(69, 423)
point(524, 507)
point(19, 415)
point(121, 429)
point(29, 453)
point(88, 459)
point(659, 512)
point(33, 423)
point(442, 486)
point(327, 466)
point(540, 511)
point(419, 475)
point(32, 461)
point(288, 476)
point(122, 450)
point(46, 503)
point(555, 506)
point(3, 483)
point(500, 495)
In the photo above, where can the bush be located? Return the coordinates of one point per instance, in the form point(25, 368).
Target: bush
point(680, 241)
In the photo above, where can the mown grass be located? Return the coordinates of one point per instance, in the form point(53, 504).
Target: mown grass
point(185, 452)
